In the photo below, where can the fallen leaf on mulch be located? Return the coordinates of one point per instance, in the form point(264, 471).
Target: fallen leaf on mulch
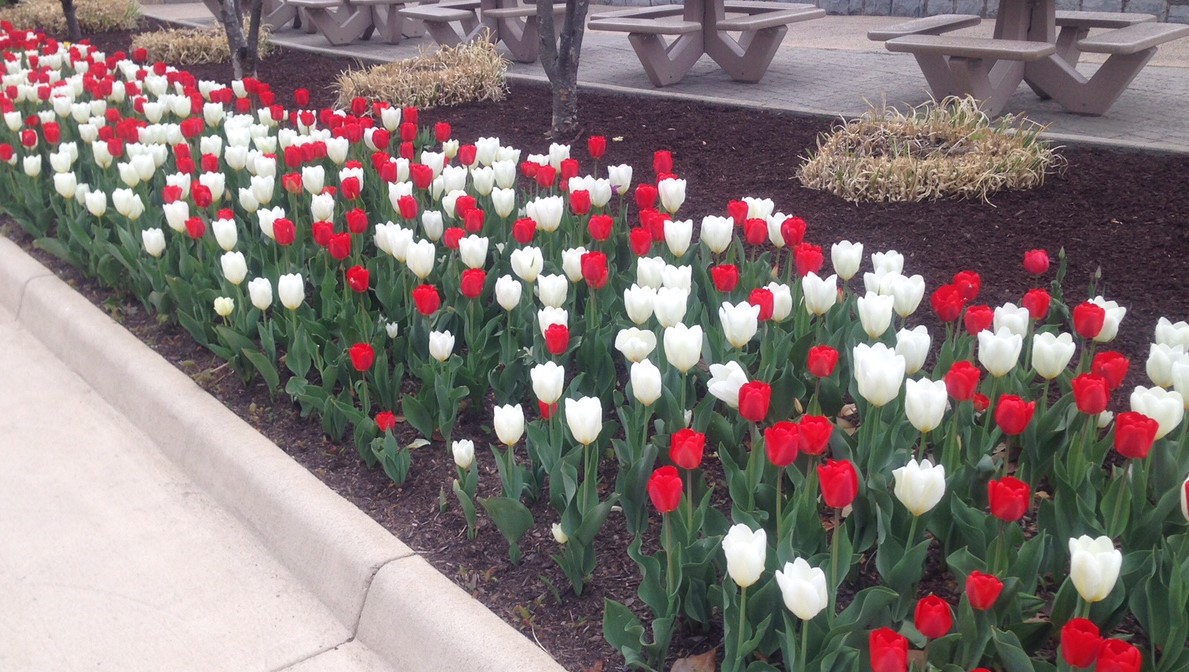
point(704, 662)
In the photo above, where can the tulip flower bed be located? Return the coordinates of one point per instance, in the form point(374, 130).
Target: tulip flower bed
point(698, 394)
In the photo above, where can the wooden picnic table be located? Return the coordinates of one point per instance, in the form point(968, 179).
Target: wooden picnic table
point(508, 22)
point(704, 27)
point(1035, 43)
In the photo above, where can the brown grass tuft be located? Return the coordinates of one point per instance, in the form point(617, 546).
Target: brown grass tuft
point(94, 16)
point(451, 75)
point(937, 150)
point(192, 46)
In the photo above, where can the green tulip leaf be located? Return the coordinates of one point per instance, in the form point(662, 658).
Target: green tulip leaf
point(1010, 653)
point(417, 416)
point(512, 519)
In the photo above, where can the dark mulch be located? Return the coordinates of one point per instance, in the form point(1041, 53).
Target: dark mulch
point(1121, 212)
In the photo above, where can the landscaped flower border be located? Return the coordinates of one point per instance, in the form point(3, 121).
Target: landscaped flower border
point(385, 266)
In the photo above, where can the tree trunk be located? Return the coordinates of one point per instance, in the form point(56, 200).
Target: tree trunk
point(233, 25)
point(253, 45)
point(73, 31)
point(559, 57)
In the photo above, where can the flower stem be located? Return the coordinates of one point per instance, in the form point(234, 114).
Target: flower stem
point(669, 574)
point(742, 623)
point(802, 653)
point(834, 551)
point(912, 533)
point(779, 501)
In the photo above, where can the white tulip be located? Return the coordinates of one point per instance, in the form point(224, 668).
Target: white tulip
point(584, 417)
point(879, 372)
point(546, 212)
point(998, 352)
point(746, 551)
point(920, 485)
point(739, 322)
point(473, 251)
point(646, 382)
point(875, 313)
point(527, 263)
point(913, 345)
point(820, 294)
point(650, 272)
point(1164, 406)
point(507, 292)
point(235, 267)
point(782, 301)
point(571, 263)
point(725, 381)
point(1051, 354)
point(635, 344)
point(678, 233)
point(683, 346)
point(260, 291)
point(1094, 566)
point(680, 277)
point(908, 292)
point(509, 423)
point(670, 305)
point(672, 193)
point(441, 345)
point(153, 241)
point(224, 306)
point(1110, 325)
point(846, 258)
point(1014, 319)
point(548, 381)
point(291, 290)
point(924, 403)
point(1168, 333)
point(638, 302)
point(503, 201)
point(717, 233)
point(226, 234)
point(433, 224)
point(464, 453)
point(552, 289)
point(887, 262)
point(559, 535)
point(1160, 362)
point(420, 257)
point(803, 589)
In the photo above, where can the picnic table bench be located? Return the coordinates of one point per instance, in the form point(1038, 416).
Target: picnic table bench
point(344, 21)
point(460, 21)
point(702, 27)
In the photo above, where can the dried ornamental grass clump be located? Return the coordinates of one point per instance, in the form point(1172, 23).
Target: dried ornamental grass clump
point(94, 16)
point(451, 75)
point(937, 150)
point(192, 46)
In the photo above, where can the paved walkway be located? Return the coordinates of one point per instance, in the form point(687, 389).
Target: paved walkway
point(828, 67)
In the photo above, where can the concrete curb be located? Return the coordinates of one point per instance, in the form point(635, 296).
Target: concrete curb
point(392, 600)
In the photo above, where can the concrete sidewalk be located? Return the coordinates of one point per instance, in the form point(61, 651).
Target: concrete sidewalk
point(824, 67)
point(143, 526)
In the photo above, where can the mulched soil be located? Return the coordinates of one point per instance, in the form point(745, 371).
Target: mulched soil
point(1115, 211)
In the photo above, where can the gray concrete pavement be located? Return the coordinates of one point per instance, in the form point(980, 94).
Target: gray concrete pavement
point(828, 67)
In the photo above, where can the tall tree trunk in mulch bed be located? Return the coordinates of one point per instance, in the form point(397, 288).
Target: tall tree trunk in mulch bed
point(73, 31)
point(243, 50)
point(559, 57)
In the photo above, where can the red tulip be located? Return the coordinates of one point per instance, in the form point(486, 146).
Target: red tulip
point(755, 231)
point(754, 398)
point(464, 204)
point(1117, 655)
point(686, 447)
point(1088, 319)
point(1112, 366)
point(580, 202)
point(594, 269)
point(351, 188)
point(1080, 642)
point(472, 221)
point(195, 227)
point(1036, 262)
point(792, 230)
point(321, 232)
point(662, 161)
point(362, 356)
point(725, 277)
point(441, 131)
point(523, 230)
point(1037, 302)
point(408, 207)
point(961, 381)
point(356, 221)
point(947, 302)
point(420, 174)
point(664, 489)
point(339, 246)
point(763, 298)
point(933, 618)
point(201, 195)
point(1134, 434)
point(813, 434)
point(980, 402)
point(641, 241)
point(451, 237)
point(427, 300)
point(822, 360)
point(301, 97)
point(597, 146)
point(646, 195)
point(889, 650)
point(839, 483)
point(982, 590)
point(781, 443)
point(600, 227)
point(385, 420)
point(472, 281)
point(968, 283)
point(557, 339)
point(1090, 393)
point(808, 258)
point(466, 153)
point(1013, 414)
point(358, 278)
point(978, 318)
point(547, 410)
point(1009, 498)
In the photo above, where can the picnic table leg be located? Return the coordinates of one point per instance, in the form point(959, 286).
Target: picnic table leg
point(990, 82)
point(521, 37)
point(446, 34)
point(748, 59)
point(666, 64)
point(1093, 96)
point(343, 26)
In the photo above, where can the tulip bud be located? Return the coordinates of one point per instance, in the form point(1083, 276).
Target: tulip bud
point(888, 650)
point(746, 551)
point(933, 618)
point(646, 382)
point(1185, 499)
point(527, 263)
point(224, 306)
point(670, 305)
point(1009, 498)
point(982, 590)
point(1114, 314)
point(664, 489)
point(559, 535)
point(1161, 358)
point(907, 293)
point(419, 257)
point(1080, 642)
point(638, 303)
point(464, 453)
point(672, 193)
point(839, 483)
point(1014, 319)
point(678, 234)
point(473, 251)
